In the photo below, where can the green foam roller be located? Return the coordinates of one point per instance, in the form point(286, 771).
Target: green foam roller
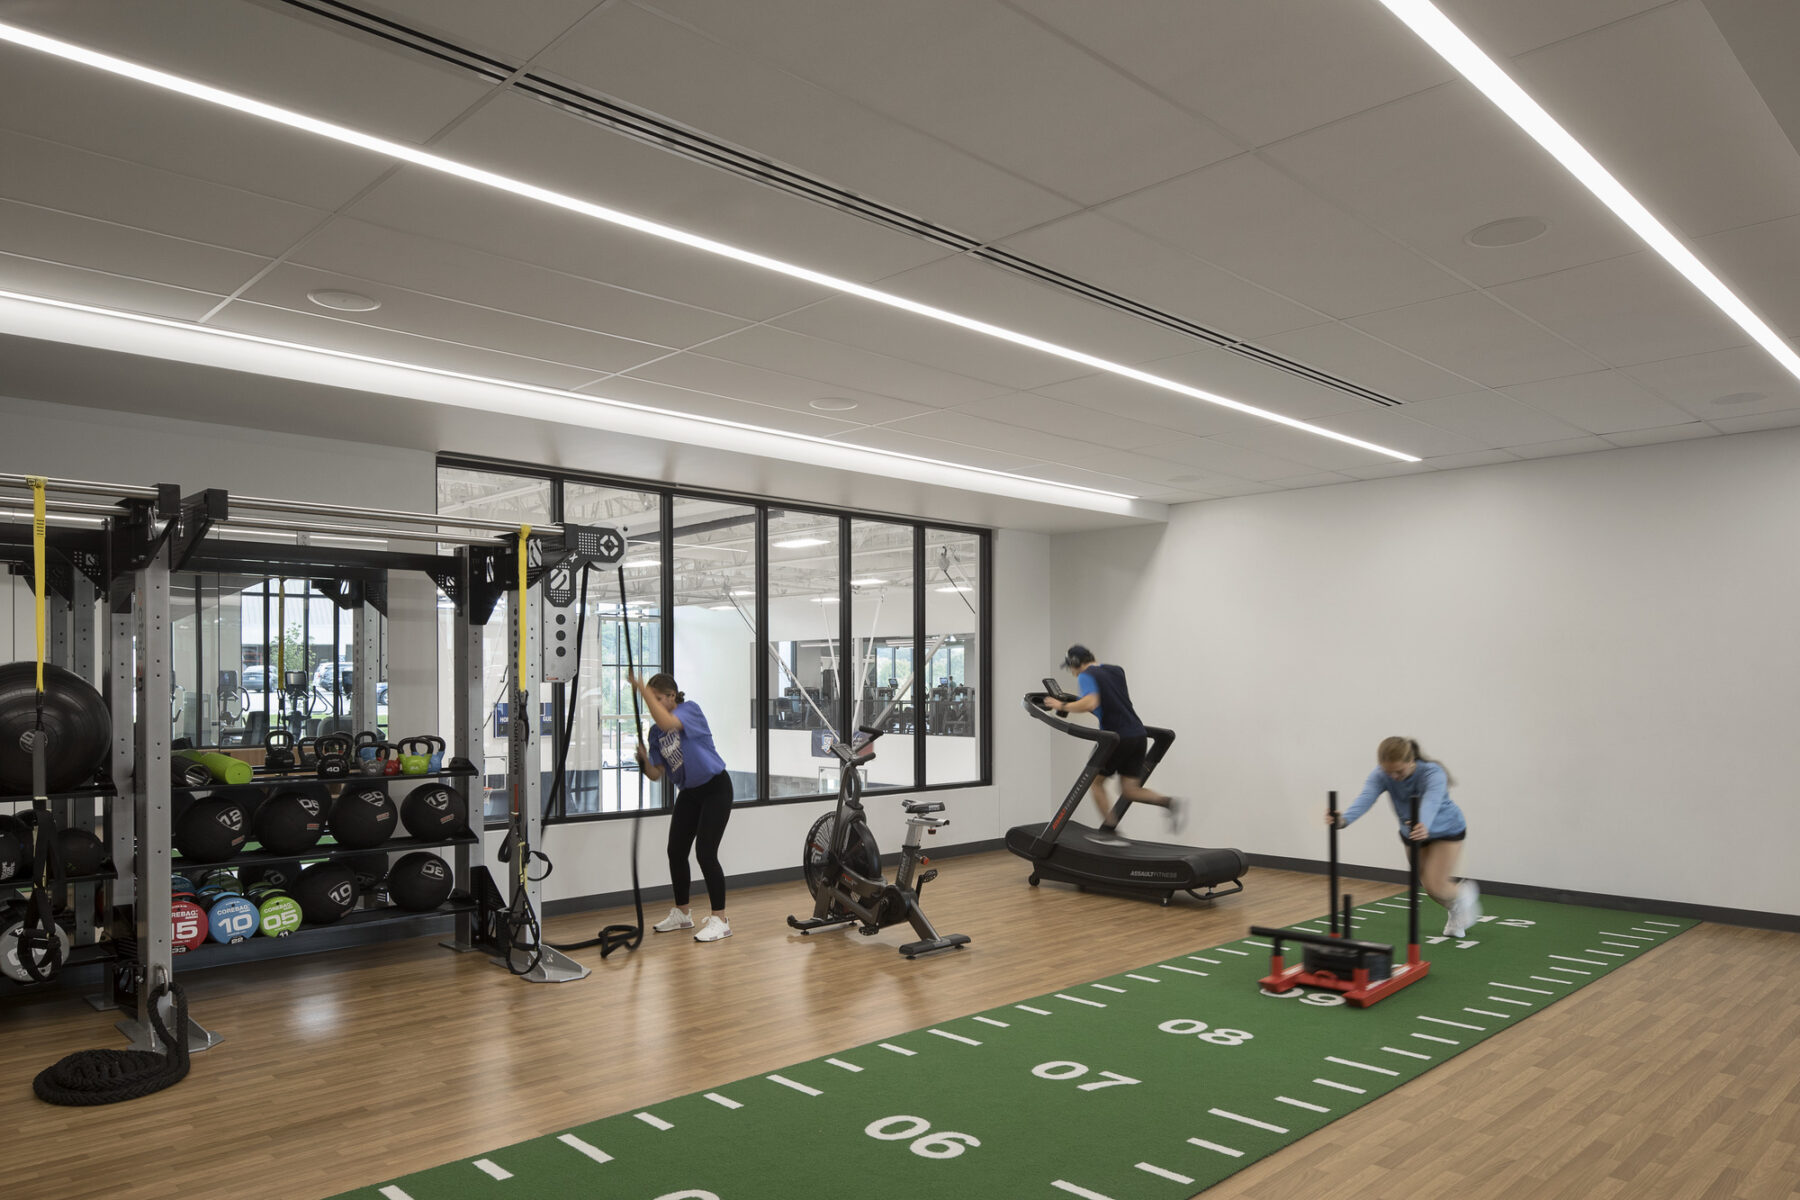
point(224, 768)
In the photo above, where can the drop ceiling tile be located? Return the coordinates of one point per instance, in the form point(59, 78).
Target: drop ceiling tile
point(956, 426)
point(1309, 449)
point(1662, 433)
point(355, 338)
point(456, 321)
point(35, 277)
point(701, 373)
point(1249, 381)
point(57, 176)
point(1580, 445)
point(883, 438)
point(1397, 430)
point(1605, 402)
point(358, 249)
point(1243, 487)
point(1114, 395)
point(1492, 420)
point(431, 205)
point(1109, 255)
point(1756, 422)
point(686, 402)
point(1222, 458)
point(980, 76)
point(1624, 310)
point(1761, 263)
point(1388, 470)
point(839, 365)
point(659, 64)
point(1264, 70)
point(1247, 217)
point(513, 31)
point(1081, 477)
point(1521, 25)
point(1480, 458)
point(1697, 381)
point(124, 120)
point(1033, 411)
point(1476, 337)
point(1435, 166)
point(1355, 357)
point(1662, 102)
point(1154, 471)
point(119, 249)
point(1321, 479)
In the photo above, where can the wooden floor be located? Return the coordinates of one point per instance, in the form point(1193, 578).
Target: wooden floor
point(1677, 1076)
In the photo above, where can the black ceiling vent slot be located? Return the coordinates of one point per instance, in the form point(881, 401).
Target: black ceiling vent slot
point(678, 139)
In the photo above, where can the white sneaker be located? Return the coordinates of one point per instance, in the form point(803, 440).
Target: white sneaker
point(1178, 814)
point(675, 920)
point(1453, 927)
point(1468, 902)
point(713, 929)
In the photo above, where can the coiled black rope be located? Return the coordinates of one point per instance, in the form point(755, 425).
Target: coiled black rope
point(90, 1077)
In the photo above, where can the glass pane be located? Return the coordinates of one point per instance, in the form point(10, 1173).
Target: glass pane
point(715, 626)
point(602, 770)
point(803, 668)
point(951, 680)
point(881, 627)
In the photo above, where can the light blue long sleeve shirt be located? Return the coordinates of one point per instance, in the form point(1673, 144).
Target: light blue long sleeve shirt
point(1429, 782)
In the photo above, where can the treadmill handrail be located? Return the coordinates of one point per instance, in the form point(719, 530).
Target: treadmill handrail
point(1034, 704)
point(1104, 740)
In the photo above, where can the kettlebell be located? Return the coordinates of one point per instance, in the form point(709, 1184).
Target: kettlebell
point(438, 746)
point(415, 756)
point(366, 741)
point(306, 752)
point(278, 751)
point(334, 756)
point(374, 759)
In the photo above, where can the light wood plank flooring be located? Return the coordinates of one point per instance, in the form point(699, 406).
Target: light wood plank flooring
point(1678, 1076)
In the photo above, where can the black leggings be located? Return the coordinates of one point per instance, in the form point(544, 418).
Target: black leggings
point(699, 825)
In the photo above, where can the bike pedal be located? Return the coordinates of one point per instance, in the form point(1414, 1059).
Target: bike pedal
point(867, 931)
point(927, 877)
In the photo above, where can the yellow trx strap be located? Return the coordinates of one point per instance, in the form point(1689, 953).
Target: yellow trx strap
point(39, 530)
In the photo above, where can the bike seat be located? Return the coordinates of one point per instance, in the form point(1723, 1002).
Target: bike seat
point(921, 806)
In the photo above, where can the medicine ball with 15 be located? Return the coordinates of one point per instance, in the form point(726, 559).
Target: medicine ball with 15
point(434, 812)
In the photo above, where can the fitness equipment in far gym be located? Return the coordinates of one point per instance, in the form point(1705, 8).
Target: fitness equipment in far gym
point(843, 867)
point(1363, 972)
point(1108, 861)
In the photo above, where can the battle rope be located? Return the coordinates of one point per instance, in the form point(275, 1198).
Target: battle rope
point(90, 1077)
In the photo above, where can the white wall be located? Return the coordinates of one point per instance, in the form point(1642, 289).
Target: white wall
point(1603, 649)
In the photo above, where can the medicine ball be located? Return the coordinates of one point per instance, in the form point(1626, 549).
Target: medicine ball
point(283, 874)
point(326, 892)
point(363, 817)
point(289, 822)
point(434, 813)
point(211, 830)
point(187, 926)
point(81, 852)
point(419, 882)
point(232, 919)
point(76, 719)
point(12, 922)
point(278, 913)
point(370, 869)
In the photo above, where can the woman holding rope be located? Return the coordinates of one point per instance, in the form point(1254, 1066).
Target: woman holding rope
point(682, 747)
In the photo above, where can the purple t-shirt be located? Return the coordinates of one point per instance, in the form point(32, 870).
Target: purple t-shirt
point(688, 752)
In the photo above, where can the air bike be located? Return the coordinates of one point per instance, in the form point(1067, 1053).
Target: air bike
point(1107, 862)
point(843, 867)
point(1363, 972)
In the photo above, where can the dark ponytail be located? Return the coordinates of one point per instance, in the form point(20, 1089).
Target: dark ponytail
point(1419, 756)
point(666, 683)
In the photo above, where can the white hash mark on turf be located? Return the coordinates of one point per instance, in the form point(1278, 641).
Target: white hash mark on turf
point(1231, 1116)
point(1504, 1000)
point(654, 1122)
point(1303, 1104)
point(896, 1049)
point(1211, 962)
point(1346, 1062)
point(1204, 1144)
point(1482, 1012)
point(1427, 1037)
point(1629, 936)
point(1670, 924)
point(394, 1193)
point(1183, 970)
point(1514, 987)
point(1229, 950)
point(1169, 1175)
point(1603, 953)
point(1407, 1053)
point(785, 1082)
point(724, 1100)
point(1586, 962)
point(955, 1037)
point(1073, 1190)
point(1572, 970)
point(1343, 1087)
point(838, 1062)
point(1042, 1012)
point(1107, 987)
point(1079, 1000)
point(1144, 978)
point(1457, 1024)
point(493, 1171)
point(593, 1152)
point(1547, 979)
point(991, 1021)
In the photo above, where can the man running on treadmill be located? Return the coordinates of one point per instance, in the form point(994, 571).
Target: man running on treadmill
point(1104, 693)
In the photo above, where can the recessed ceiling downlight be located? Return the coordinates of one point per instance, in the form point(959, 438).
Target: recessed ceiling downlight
point(1512, 231)
point(343, 301)
point(1739, 398)
point(832, 404)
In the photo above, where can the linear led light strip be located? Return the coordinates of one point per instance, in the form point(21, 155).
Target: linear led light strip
point(1436, 30)
point(422, 158)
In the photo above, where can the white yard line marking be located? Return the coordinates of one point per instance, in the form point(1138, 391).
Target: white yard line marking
point(394, 1193)
point(1231, 1116)
point(1206, 1145)
point(654, 1122)
point(1622, 946)
point(1430, 1037)
point(1259, 945)
point(1641, 929)
point(1211, 962)
point(1399, 904)
point(1407, 1053)
point(840, 1063)
point(1079, 1000)
point(1107, 987)
point(785, 1082)
point(1373, 912)
point(1144, 978)
point(593, 1152)
point(1073, 1190)
point(491, 1170)
point(1457, 1024)
point(1586, 962)
point(1183, 970)
point(1228, 950)
point(1665, 924)
point(1604, 953)
point(1514, 987)
point(1504, 1000)
point(1302, 1104)
point(955, 1037)
point(1547, 979)
point(1042, 1012)
point(727, 1101)
point(1346, 1062)
point(991, 1021)
point(1482, 1012)
point(1631, 937)
point(896, 1049)
point(1342, 1087)
point(1572, 970)
point(1165, 1174)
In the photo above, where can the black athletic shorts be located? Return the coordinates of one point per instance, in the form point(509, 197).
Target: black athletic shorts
point(1448, 837)
point(1127, 758)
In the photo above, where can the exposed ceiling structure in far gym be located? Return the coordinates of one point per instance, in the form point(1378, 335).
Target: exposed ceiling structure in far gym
point(1293, 203)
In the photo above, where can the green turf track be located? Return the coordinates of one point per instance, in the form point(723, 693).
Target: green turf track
point(1048, 1137)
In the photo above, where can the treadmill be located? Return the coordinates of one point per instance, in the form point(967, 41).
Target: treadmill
point(1069, 851)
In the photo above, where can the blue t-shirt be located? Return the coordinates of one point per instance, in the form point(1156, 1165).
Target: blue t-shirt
point(1429, 782)
point(1115, 711)
point(688, 752)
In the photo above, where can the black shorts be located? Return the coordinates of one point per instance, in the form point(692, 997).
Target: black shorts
point(1127, 758)
point(1448, 837)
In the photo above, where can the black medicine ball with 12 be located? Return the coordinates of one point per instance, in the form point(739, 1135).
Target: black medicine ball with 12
point(211, 830)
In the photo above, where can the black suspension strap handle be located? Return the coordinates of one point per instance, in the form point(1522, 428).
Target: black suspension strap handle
point(629, 937)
